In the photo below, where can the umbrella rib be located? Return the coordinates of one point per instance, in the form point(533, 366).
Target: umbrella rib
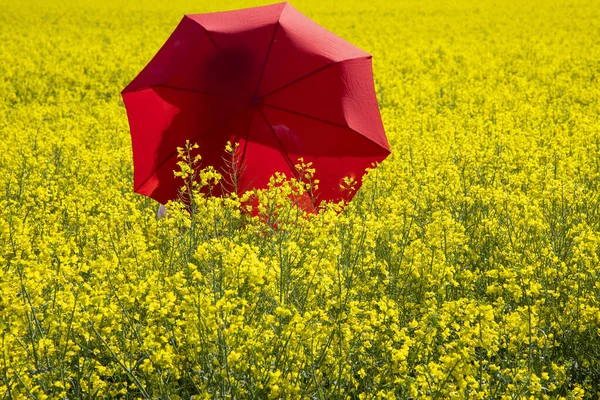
point(321, 120)
point(206, 31)
point(247, 136)
point(174, 153)
point(308, 116)
point(182, 89)
point(311, 74)
point(283, 152)
point(262, 72)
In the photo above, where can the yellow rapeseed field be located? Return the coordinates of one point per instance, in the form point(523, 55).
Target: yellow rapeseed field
point(466, 266)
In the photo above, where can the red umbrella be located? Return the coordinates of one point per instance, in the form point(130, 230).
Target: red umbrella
point(266, 77)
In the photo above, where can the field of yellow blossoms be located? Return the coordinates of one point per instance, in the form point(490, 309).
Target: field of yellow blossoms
point(467, 265)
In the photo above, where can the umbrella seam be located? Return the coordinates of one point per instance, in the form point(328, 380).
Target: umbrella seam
point(205, 30)
point(247, 137)
point(178, 88)
point(327, 122)
point(185, 16)
point(262, 73)
point(313, 73)
point(307, 116)
point(283, 150)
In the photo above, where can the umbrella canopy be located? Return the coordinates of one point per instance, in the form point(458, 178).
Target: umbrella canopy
point(267, 77)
